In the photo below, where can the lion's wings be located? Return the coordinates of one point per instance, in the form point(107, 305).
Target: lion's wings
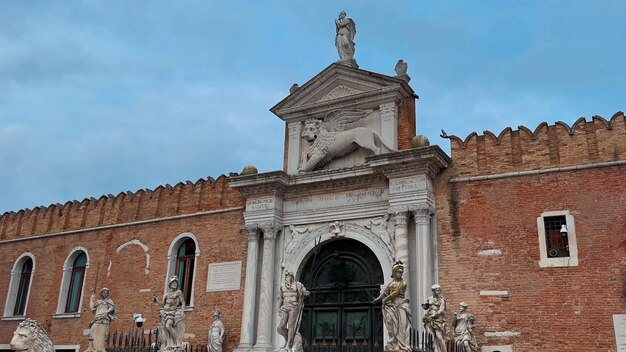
point(338, 119)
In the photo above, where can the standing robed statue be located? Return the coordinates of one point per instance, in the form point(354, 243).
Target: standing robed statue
point(344, 40)
point(104, 309)
point(396, 311)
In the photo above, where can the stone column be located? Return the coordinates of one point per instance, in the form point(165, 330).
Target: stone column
point(424, 260)
point(401, 244)
point(266, 298)
point(293, 147)
point(249, 293)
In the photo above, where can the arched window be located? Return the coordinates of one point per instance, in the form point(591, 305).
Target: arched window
point(76, 283)
point(182, 256)
point(19, 286)
point(185, 258)
point(22, 290)
point(72, 282)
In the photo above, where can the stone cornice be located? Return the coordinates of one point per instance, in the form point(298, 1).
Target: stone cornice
point(429, 160)
point(366, 100)
point(378, 89)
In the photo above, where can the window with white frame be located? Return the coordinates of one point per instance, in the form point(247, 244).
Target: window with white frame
point(72, 283)
point(19, 286)
point(182, 257)
point(557, 239)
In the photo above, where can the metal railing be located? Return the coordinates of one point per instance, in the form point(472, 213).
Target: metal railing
point(137, 340)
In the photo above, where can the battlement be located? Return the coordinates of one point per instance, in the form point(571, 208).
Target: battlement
point(164, 201)
point(548, 146)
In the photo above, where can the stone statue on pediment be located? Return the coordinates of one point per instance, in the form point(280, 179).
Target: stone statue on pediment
point(344, 40)
point(330, 139)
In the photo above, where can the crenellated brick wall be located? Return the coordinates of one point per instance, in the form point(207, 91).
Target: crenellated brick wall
point(548, 146)
point(215, 218)
point(488, 238)
point(183, 198)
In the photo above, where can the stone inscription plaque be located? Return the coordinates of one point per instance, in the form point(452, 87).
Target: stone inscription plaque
point(619, 324)
point(260, 204)
point(335, 200)
point(225, 276)
point(407, 184)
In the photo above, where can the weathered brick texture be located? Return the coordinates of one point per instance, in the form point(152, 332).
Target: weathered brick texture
point(560, 308)
point(219, 238)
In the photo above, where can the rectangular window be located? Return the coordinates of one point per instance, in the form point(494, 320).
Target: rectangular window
point(557, 239)
point(556, 236)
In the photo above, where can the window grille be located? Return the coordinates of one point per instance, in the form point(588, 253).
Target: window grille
point(556, 242)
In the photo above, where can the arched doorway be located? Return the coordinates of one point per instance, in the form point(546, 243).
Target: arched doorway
point(343, 277)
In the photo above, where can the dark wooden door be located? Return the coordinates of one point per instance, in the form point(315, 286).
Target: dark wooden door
point(343, 277)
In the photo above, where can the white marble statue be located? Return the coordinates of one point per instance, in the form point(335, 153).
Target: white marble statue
point(463, 324)
point(434, 319)
point(172, 315)
point(30, 337)
point(344, 40)
point(216, 333)
point(329, 140)
point(396, 311)
point(99, 327)
point(291, 303)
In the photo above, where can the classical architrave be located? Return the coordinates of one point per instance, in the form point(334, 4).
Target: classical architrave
point(13, 287)
point(65, 283)
point(547, 262)
point(171, 263)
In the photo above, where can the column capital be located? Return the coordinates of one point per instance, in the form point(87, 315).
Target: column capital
point(401, 218)
point(422, 214)
point(270, 230)
point(295, 128)
point(252, 230)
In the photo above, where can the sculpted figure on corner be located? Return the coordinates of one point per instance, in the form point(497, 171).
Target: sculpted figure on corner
point(291, 302)
point(463, 324)
point(396, 311)
point(172, 315)
point(434, 319)
point(101, 323)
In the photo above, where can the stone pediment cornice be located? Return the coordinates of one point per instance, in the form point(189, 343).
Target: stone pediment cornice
point(369, 90)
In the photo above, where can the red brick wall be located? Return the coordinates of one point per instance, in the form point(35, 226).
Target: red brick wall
point(561, 308)
point(406, 123)
point(219, 237)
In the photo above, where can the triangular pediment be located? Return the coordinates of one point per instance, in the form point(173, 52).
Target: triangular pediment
point(337, 83)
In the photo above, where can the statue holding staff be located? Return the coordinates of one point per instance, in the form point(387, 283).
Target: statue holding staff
point(101, 323)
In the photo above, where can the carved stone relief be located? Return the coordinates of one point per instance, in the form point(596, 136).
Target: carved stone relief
point(331, 138)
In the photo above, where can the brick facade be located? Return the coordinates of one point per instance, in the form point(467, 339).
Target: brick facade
point(555, 308)
point(487, 203)
point(208, 209)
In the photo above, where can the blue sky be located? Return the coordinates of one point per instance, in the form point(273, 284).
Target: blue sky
point(99, 97)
